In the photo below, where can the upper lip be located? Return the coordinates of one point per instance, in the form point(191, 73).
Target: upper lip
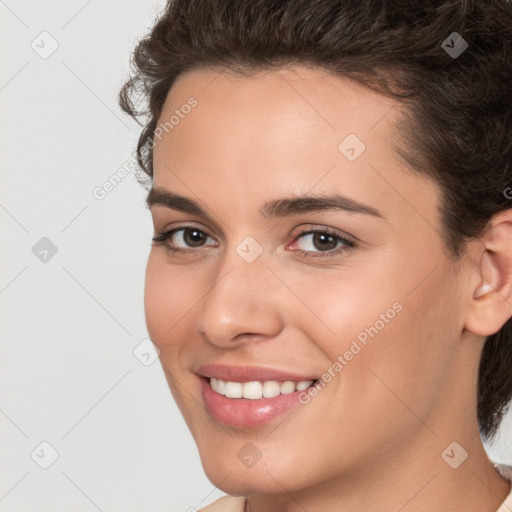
point(249, 373)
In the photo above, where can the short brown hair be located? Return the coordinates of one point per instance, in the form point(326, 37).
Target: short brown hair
point(459, 128)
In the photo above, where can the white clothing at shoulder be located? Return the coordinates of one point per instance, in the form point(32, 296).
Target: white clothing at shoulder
point(506, 473)
point(227, 504)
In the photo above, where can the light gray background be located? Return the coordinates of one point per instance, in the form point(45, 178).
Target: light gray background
point(70, 325)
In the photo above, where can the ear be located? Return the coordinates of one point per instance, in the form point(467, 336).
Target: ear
point(491, 287)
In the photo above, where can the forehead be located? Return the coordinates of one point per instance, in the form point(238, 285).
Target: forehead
point(280, 109)
point(286, 131)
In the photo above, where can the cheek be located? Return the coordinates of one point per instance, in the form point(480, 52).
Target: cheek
point(169, 296)
point(392, 329)
point(346, 304)
point(407, 364)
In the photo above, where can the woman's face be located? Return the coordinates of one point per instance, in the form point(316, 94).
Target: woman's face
point(377, 319)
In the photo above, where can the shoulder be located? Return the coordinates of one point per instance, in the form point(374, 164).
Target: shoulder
point(226, 504)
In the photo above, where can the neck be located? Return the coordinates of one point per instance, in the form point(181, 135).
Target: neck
point(407, 482)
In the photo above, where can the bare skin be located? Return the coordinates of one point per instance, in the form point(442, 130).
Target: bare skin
point(373, 438)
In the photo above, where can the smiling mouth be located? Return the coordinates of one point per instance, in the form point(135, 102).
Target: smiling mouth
point(255, 390)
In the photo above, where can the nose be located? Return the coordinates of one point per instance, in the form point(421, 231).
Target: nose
point(241, 304)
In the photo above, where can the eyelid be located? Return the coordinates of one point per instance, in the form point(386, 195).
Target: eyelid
point(320, 228)
point(172, 229)
point(163, 236)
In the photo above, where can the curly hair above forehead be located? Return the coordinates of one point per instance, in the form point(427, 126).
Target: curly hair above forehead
point(449, 62)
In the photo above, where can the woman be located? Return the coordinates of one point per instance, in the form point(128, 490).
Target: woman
point(330, 282)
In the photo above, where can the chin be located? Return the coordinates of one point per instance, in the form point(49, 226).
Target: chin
point(231, 476)
point(243, 483)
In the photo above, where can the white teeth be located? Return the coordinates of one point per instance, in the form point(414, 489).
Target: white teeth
point(252, 390)
point(271, 388)
point(233, 390)
point(221, 386)
point(218, 385)
point(287, 387)
point(255, 390)
point(303, 385)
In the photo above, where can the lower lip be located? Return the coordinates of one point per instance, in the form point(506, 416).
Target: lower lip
point(244, 412)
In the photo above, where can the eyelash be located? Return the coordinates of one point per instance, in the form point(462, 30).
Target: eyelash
point(348, 244)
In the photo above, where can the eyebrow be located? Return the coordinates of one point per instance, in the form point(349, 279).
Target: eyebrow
point(158, 196)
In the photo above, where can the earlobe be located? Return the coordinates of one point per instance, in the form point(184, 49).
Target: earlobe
point(491, 299)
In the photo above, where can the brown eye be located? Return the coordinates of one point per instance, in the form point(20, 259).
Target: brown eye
point(321, 242)
point(324, 241)
point(318, 241)
point(194, 237)
point(183, 239)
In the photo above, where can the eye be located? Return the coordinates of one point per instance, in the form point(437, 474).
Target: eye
point(182, 239)
point(312, 243)
point(321, 242)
